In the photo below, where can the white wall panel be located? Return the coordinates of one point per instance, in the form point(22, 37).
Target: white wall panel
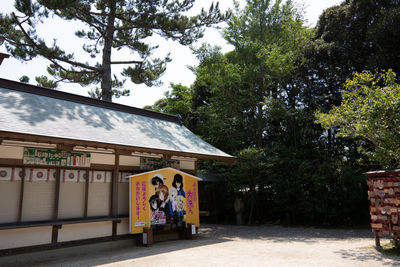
point(99, 199)
point(23, 237)
point(9, 201)
point(129, 161)
point(11, 152)
point(70, 232)
point(38, 202)
point(98, 158)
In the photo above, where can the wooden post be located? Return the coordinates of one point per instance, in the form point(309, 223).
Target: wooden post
point(114, 187)
point(85, 211)
point(114, 194)
point(190, 231)
point(146, 238)
point(377, 240)
point(57, 194)
point(54, 234)
point(21, 196)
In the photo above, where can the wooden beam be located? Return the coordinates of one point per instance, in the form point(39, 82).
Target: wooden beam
point(129, 168)
point(64, 147)
point(57, 194)
point(5, 226)
point(102, 167)
point(21, 196)
point(11, 162)
point(57, 140)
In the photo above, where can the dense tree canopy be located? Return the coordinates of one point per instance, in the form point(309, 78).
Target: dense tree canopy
point(108, 25)
point(370, 109)
point(258, 102)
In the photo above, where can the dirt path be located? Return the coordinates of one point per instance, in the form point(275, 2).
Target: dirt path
point(219, 245)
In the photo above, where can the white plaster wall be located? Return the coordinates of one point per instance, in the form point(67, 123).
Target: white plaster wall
point(99, 199)
point(70, 232)
point(11, 152)
point(129, 161)
point(38, 201)
point(187, 165)
point(123, 227)
point(23, 237)
point(98, 158)
point(9, 201)
point(72, 200)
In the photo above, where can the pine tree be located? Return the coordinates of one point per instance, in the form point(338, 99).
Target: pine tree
point(110, 25)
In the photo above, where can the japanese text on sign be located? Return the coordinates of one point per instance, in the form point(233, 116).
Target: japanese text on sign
point(137, 200)
point(144, 194)
point(190, 202)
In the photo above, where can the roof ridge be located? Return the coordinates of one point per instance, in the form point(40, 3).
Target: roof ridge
point(37, 90)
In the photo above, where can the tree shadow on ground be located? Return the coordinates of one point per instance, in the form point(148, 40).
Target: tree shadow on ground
point(126, 252)
point(368, 254)
point(276, 233)
point(102, 253)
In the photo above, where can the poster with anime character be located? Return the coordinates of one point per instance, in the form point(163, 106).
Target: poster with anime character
point(172, 198)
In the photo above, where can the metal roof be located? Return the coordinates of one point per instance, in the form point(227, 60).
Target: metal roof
point(32, 110)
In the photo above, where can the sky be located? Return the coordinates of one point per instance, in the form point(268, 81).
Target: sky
point(177, 70)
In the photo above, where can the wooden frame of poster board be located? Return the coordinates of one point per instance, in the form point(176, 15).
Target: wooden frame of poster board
point(162, 202)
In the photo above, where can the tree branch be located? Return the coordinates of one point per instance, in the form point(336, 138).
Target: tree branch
point(74, 63)
point(127, 62)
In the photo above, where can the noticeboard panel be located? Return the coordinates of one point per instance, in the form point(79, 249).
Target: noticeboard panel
point(161, 197)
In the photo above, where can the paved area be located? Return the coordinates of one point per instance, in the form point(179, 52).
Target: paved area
point(222, 245)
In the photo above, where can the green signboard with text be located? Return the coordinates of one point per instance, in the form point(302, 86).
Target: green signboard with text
point(37, 156)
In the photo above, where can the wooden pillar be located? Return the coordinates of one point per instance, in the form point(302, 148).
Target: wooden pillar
point(114, 187)
point(190, 231)
point(85, 212)
point(146, 238)
point(21, 196)
point(114, 194)
point(57, 194)
point(54, 234)
point(377, 240)
point(56, 227)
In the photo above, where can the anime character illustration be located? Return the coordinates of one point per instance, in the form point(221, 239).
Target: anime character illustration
point(163, 197)
point(172, 200)
point(157, 216)
point(161, 192)
point(177, 203)
point(157, 180)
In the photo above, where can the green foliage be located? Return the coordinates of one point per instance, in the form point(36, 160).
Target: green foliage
point(109, 25)
point(258, 102)
point(370, 109)
point(176, 102)
point(43, 81)
point(24, 79)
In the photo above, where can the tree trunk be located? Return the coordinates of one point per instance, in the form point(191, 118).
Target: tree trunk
point(106, 80)
point(260, 126)
point(251, 207)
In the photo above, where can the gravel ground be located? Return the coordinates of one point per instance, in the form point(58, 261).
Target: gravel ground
point(226, 245)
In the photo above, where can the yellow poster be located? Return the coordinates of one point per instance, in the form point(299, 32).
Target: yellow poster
point(192, 201)
point(171, 198)
point(139, 210)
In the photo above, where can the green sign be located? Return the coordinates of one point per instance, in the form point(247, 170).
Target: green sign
point(36, 156)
